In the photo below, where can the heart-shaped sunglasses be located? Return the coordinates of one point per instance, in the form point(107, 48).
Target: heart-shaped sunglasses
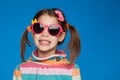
point(53, 29)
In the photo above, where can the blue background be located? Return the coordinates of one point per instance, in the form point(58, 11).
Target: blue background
point(97, 21)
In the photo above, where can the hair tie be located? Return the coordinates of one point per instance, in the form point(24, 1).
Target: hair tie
point(34, 21)
point(60, 15)
point(29, 28)
point(67, 25)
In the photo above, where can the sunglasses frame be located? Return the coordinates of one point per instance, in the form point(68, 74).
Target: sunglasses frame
point(47, 27)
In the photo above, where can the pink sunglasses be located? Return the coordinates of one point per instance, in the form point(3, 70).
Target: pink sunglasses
point(53, 29)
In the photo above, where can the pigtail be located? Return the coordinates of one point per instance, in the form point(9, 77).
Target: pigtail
point(24, 41)
point(74, 44)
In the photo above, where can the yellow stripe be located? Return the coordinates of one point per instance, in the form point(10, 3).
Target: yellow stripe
point(76, 72)
point(17, 73)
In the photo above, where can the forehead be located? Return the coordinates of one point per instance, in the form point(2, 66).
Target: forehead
point(46, 19)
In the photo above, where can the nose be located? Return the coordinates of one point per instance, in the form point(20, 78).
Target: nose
point(45, 32)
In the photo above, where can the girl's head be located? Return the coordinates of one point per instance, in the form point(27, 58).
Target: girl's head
point(47, 32)
point(49, 28)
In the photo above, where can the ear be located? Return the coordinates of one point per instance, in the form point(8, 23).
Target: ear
point(62, 36)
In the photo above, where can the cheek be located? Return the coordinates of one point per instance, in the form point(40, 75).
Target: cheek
point(35, 36)
point(55, 40)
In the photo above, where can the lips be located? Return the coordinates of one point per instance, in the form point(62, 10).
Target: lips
point(44, 42)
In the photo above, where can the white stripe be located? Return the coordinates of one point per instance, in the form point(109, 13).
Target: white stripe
point(76, 78)
point(46, 71)
point(16, 78)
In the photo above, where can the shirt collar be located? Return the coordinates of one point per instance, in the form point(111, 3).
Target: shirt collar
point(58, 53)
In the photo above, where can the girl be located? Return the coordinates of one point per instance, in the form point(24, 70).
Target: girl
point(48, 29)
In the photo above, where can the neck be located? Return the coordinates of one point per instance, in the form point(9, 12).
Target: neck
point(43, 54)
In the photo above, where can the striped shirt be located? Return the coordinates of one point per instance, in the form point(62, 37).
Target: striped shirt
point(50, 68)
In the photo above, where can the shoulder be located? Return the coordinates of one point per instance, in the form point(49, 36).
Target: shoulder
point(22, 64)
point(17, 67)
point(76, 71)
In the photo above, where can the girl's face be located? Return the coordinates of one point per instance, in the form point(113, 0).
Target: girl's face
point(44, 41)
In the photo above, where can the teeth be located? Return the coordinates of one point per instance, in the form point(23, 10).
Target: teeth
point(44, 42)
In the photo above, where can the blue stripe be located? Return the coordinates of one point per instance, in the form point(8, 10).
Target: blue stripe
point(45, 77)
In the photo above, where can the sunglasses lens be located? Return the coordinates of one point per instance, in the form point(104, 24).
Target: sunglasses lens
point(38, 28)
point(53, 29)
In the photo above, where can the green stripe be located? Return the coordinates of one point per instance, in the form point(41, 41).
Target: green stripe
point(76, 66)
point(45, 77)
point(17, 67)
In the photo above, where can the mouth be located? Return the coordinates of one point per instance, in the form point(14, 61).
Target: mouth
point(44, 42)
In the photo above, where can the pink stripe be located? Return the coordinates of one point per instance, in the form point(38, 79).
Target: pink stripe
point(46, 71)
point(38, 65)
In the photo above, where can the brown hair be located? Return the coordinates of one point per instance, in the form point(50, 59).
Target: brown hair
point(73, 45)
